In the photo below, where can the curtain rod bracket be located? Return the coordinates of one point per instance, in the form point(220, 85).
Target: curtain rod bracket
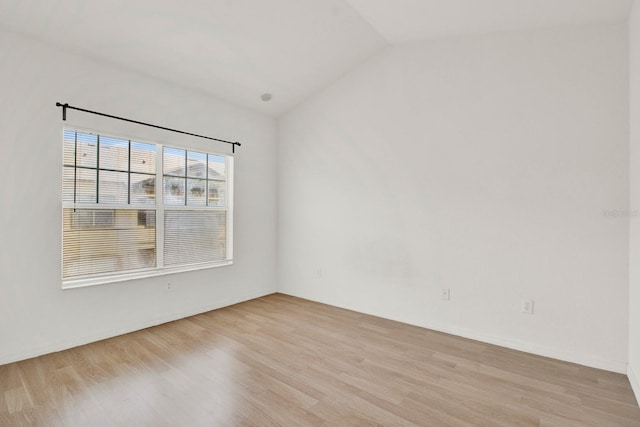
point(64, 110)
point(66, 106)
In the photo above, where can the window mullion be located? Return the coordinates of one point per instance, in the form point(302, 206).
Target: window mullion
point(75, 167)
point(159, 206)
point(129, 174)
point(186, 166)
point(98, 168)
point(206, 182)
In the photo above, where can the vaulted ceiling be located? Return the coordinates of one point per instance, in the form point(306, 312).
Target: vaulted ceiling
point(239, 49)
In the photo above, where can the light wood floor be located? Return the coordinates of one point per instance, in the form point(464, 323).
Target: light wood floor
point(283, 361)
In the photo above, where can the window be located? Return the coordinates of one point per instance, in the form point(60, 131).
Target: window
point(135, 209)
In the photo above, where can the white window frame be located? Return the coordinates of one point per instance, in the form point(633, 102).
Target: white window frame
point(160, 208)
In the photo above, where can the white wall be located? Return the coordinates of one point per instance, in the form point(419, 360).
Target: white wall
point(480, 164)
point(634, 248)
point(36, 316)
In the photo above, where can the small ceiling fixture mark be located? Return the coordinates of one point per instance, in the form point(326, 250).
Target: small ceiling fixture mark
point(266, 97)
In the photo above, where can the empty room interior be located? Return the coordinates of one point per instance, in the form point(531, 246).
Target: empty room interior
point(320, 212)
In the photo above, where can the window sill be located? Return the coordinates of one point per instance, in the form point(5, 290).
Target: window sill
point(115, 278)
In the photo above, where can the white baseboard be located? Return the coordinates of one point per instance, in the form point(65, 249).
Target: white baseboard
point(553, 353)
point(94, 336)
point(635, 382)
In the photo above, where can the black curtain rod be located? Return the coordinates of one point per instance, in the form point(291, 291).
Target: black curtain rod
point(70, 107)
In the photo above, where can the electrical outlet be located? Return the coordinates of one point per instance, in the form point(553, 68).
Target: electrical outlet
point(445, 294)
point(169, 287)
point(526, 306)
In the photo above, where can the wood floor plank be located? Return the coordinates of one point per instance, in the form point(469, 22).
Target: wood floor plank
point(284, 361)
